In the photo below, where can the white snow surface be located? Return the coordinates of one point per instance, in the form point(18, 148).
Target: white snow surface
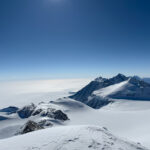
point(69, 138)
point(104, 92)
point(124, 118)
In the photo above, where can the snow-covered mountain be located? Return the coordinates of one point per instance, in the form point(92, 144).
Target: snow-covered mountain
point(69, 138)
point(101, 91)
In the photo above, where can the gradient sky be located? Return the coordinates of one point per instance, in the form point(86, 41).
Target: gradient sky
point(74, 38)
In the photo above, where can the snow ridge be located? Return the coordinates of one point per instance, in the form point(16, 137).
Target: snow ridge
point(69, 138)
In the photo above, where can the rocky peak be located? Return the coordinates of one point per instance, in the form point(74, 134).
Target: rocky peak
point(30, 126)
point(137, 82)
point(100, 79)
point(118, 78)
point(26, 111)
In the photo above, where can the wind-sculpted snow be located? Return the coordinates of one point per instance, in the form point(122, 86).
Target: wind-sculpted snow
point(69, 138)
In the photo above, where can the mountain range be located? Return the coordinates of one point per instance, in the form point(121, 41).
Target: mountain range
point(102, 91)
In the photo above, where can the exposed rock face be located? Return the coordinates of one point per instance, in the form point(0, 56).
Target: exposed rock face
point(45, 123)
point(26, 111)
point(9, 110)
point(31, 110)
point(97, 102)
point(45, 116)
point(84, 93)
point(47, 113)
point(30, 126)
point(58, 114)
point(36, 112)
point(139, 83)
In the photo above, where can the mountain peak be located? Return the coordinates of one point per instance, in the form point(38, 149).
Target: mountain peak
point(138, 82)
point(118, 78)
point(119, 75)
point(100, 79)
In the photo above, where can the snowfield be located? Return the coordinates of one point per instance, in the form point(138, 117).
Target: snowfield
point(69, 138)
point(124, 118)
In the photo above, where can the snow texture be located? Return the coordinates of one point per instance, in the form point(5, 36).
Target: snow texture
point(69, 138)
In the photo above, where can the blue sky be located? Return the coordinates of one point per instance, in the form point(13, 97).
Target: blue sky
point(42, 39)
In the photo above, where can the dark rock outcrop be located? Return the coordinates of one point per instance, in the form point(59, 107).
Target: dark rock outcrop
point(26, 111)
point(45, 123)
point(36, 112)
point(97, 102)
point(58, 114)
point(31, 110)
point(30, 126)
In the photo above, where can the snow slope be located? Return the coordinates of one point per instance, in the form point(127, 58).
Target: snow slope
point(132, 88)
point(69, 138)
point(104, 92)
point(125, 118)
